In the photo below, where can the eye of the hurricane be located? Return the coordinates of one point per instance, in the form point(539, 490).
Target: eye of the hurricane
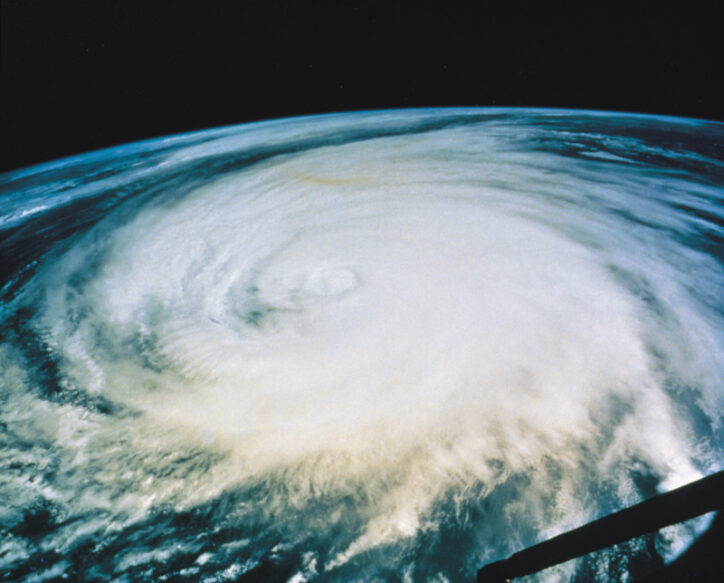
point(348, 360)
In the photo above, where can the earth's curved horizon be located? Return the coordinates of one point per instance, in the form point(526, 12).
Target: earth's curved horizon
point(50, 161)
point(383, 345)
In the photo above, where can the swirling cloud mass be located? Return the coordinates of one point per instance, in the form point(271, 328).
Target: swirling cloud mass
point(374, 346)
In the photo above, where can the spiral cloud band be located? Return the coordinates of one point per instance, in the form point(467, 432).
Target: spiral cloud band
point(374, 346)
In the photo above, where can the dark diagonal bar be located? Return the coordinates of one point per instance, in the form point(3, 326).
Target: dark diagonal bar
point(681, 504)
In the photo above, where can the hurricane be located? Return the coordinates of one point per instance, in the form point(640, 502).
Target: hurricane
point(374, 346)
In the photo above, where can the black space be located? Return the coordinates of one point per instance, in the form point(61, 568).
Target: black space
point(80, 75)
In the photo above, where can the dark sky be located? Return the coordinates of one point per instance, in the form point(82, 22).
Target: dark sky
point(79, 75)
